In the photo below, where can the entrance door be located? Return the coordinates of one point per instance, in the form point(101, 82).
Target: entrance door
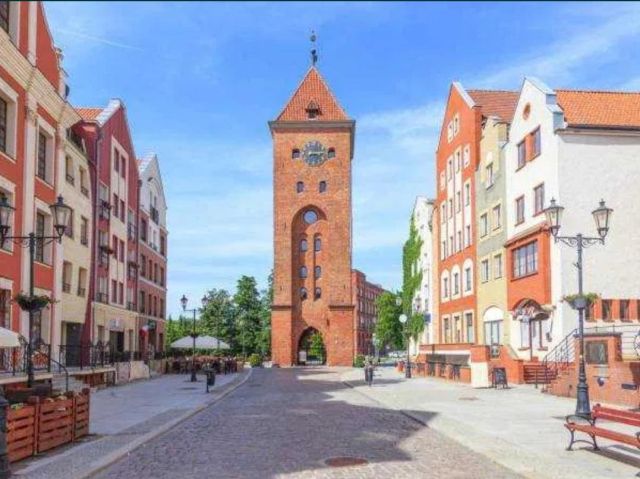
point(73, 333)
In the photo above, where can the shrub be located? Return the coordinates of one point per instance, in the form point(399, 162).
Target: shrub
point(255, 361)
point(358, 362)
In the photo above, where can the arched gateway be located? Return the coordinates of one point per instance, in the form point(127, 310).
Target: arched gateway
point(311, 350)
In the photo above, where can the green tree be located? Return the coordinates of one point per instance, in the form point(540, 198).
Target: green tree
point(174, 330)
point(264, 335)
point(248, 314)
point(217, 318)
point(411, 280)
point(388, 327)
point(316, 347)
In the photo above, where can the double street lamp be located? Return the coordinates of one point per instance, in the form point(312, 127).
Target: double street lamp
point(60, 214)
point(194, 333)
point(602, 217)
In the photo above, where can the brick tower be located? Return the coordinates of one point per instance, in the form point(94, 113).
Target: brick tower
point(312, 152)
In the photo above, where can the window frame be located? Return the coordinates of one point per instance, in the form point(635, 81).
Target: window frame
point(538, 208)
point(525, 260)
point(522, 154)
point(520, 206)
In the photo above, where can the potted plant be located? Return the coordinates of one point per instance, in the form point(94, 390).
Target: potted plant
point(574, 300)
point(33, 303)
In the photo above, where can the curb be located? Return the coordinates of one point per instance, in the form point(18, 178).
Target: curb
point(118, 454)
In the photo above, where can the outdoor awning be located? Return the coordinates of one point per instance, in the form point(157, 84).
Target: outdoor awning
point(9, 339)
point(202, 342)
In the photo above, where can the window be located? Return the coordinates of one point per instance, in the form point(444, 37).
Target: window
point(457, 330)
point(122, 251)
point(7, 245)
point(121, 293)
point(456, 283)
point(295, 154)
point(447, 331)
point(4, 16)
point(489, 175)
point(163, 245)
point(84, 188)
point(310, 217)
point(520, 210)
point(536, 143)
point(497, 266)
point(606, 309)
point(466, 155)
point(467, 279)
point(161, 276)
point(322, 187)
point(116, 160)
point(82, 282)
point(484, 270)
point(525, 260)
point(303, 293)
point(68, 231)
point(451, 245)
point(114, 291)
point(458, 202)
point(122, 210)
point(40, 231)
point(445, 287)
point(484, 225)
point(444, 212)
point(449, 131)
point(624, 309)
point(123, 166)
point(317, 271)
point(5, 308)
point(469, 323)
point(442, 181)
point(331, 153)
point(116, 205)
point(299, 187)
point(317, 243)
point(317, 293)
point(42, 156)
point(67, 271)
point(497, 217)
point(143, 230)
point(456, 125)
point(449, 168)
point(468, 236)
point(538, 199)
point(303, 272)
point(493, 332)
point(3, 115)
point(303, 245)
point(450, 208)
point(522, 153)
point(467, 194)
point(457, 156)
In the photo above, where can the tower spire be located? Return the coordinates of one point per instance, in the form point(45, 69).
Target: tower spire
point(314, 52)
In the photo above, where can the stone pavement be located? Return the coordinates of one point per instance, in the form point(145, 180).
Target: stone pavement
point(519, 428)
point(287, 423)
point(124, 417)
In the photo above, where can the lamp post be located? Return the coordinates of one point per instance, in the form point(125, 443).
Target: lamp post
point(601, 216)
point(60, 213)
point(194, 333)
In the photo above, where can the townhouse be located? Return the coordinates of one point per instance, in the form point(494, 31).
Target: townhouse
point(365, 312)
point(152, 256)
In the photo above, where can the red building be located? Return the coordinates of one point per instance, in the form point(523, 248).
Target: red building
point(365, 312)
point(312, 153)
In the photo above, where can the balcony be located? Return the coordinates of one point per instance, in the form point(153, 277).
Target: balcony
point(66, 287)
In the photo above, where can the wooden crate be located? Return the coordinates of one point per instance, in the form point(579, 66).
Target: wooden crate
point(21, 432)
point(81, 414)
point(55, 424)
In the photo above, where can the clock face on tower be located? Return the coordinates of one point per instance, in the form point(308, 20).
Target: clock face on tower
point(314, 153)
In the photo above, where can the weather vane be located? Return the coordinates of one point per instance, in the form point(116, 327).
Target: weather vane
point(314, 52)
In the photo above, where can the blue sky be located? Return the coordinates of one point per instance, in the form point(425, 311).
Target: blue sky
point(201, 80)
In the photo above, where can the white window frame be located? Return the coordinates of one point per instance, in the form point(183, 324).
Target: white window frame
point(10, 96)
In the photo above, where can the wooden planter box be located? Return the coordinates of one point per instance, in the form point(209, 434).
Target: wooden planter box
point(43, 425)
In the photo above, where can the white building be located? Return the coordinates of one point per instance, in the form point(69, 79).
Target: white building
point(578, 147)
point(423, 298)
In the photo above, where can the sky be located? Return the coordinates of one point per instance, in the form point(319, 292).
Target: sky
point(201, 80)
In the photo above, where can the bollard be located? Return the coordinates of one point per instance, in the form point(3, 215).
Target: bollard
point(5, 471)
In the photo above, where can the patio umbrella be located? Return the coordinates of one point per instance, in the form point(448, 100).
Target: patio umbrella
point(202, 342)
point(9, 339)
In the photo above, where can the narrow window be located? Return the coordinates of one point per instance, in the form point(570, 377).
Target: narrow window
point(484, 225)
point(322, 186)
point(331, 153)
point(116, 160)
point(295, 154)
point(497, 273)
point(522, 153)
point(317, 272)
point(467, 279)
point(303, 245)
point(484, 270)
point(303, 293)
point(39, 253)
point(303, 272)
point(606, 309)
point(42, 156)
point(299, 186)
point(538, 198)
point(520, 210)
point(456, 283)
point(536, 143)
point(317, 293)
point(469, 321)
point(3, 120)
point(489, 175)
point(317, 244)
point(624, 309)
point(497, 217)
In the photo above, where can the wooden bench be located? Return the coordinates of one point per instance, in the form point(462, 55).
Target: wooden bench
point(588, 426)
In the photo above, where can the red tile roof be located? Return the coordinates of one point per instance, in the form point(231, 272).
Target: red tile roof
point(312, 90)
point(600, 108)
point(498, 103)
point(89, 114)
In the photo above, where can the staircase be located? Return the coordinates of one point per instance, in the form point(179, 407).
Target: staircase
point(536, 372)
point(558, 360)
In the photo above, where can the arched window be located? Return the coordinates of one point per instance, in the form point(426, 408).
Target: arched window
point(303, 245)
point(303, 293)
point(331, 153)
point(310, 217)
point(295, 154)
point(317, 293)
point(303, 271)
point(322, 187)
point(317, 271)
point(317, 243)
point(299, 186)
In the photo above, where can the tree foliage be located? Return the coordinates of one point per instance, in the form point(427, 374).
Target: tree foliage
point(217, 317)
point(411, 280)
point(248, 314)
point(388, 327)
point(316, 347)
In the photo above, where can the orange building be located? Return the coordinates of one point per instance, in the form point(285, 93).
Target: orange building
point(312, 153)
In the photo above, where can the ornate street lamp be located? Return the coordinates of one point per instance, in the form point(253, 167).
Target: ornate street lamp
point(602, 218)
point(194, 334)
point(60, 214)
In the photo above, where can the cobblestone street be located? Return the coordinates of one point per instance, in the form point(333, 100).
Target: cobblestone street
point(287, 423)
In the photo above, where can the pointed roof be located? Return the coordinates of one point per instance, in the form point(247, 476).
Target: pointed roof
point(313, 93)
point(600, 109)
point(500, 103)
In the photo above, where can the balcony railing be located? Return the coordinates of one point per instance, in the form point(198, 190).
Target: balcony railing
point(66, 287)
point(84, 241)
point(70, 179)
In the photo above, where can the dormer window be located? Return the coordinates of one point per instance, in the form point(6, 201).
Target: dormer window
point(313, 110)
point(295, 154)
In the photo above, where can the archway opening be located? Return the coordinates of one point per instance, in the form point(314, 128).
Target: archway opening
point(311, 350)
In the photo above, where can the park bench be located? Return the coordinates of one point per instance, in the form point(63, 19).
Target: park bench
point(588, 426)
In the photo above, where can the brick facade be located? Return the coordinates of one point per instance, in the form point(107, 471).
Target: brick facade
point(323, 191)
point(365, 312)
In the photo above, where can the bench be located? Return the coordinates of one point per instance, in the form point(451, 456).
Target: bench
point(588, 426)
